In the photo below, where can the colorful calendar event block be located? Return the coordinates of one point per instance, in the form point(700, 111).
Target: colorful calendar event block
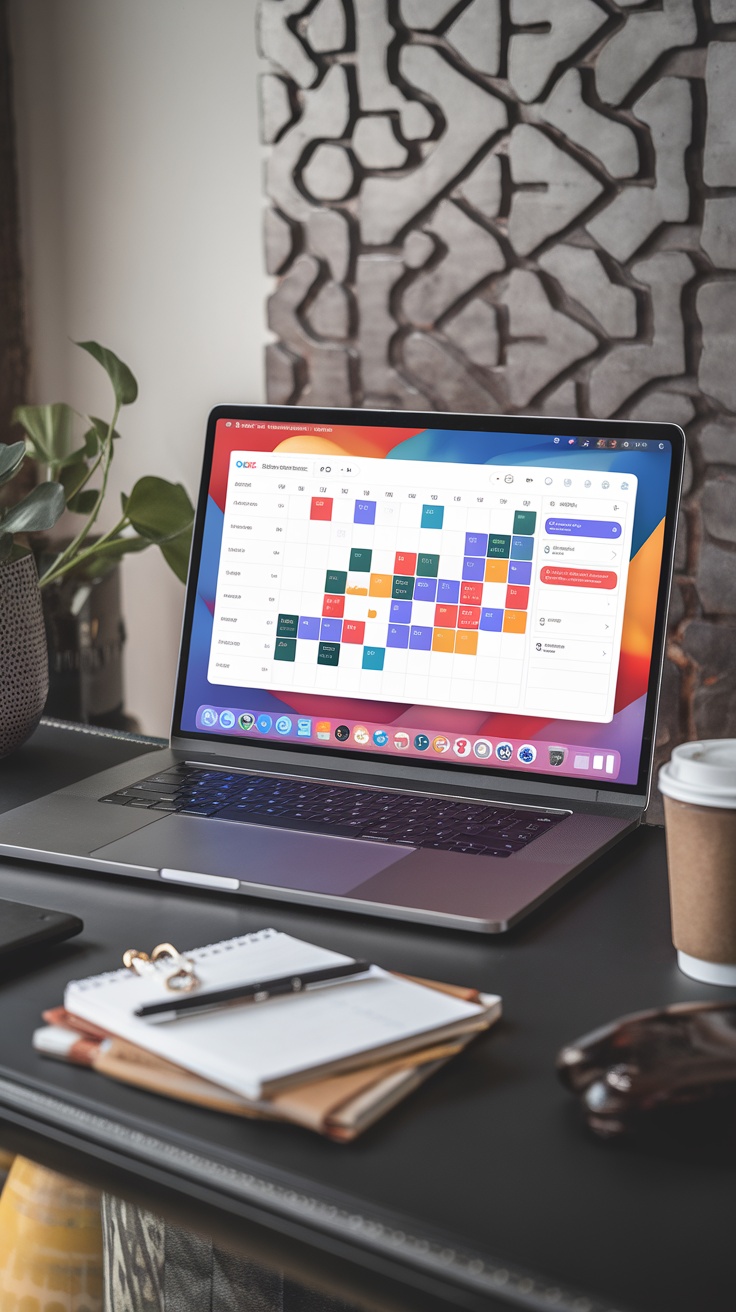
point(514, 621)
point(331, 630)
point(286, 626)
point(471, 593)
point(365, 512)
point(284, 649)
point(405, 562)
point(328, 653)
point(497, 571)
point(321, 508)
point(360, 560)
point(336, 580)
point(353, 631)
point(427, 565)
point(525, 521)
point(517, 598)
point(448, 591)
point(443, 640)
point(308, 627)
point(466, 644)
point(425, 589)
point(445, 617)
point(499, 545)
point(402, 587)
point(522, 548)
point(433, 516)
point(373, 658)
point(468, 617)
point(380, 585)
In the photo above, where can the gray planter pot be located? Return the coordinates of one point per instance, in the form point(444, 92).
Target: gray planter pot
point(24, 666)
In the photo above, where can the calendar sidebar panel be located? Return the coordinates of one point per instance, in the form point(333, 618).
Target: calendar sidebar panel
point(411, 582)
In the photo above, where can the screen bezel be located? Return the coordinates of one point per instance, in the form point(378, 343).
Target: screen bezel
point(329, 758)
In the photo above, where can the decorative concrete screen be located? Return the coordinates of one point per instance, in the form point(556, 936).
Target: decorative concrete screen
point(521, 206)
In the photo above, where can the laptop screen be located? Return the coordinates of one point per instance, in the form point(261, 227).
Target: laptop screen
point(453, 589)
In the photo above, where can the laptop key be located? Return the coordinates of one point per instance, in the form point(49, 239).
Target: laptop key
point(163, 790)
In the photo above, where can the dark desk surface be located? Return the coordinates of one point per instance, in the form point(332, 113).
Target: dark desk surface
point(490, 1160)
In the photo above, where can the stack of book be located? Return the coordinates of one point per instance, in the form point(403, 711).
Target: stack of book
point(332, 1055)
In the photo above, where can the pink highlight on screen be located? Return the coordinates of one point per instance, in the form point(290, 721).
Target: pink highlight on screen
point(578, 578)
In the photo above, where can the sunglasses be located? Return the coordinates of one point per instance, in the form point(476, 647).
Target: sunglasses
point(649, 1061)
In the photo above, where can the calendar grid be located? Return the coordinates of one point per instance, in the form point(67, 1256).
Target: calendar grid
point(383, 590)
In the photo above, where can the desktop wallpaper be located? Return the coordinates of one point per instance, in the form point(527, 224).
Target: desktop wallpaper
point(623, 735)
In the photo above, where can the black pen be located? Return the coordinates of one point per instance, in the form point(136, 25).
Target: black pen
point(261, 991)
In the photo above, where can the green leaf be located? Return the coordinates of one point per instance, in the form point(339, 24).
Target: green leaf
point(83, 503)
point(48, 430)
point(123, 383)
point(78, 457)
point(99, 431)
point(39, 510)
point(70, 477)
point(91, 443)
point(176, 553)
point(159, 510)
point(11, 459)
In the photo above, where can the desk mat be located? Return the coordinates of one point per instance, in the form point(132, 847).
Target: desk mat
point(233, 1182)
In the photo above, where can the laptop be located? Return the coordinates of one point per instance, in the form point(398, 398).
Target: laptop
point(419, 667)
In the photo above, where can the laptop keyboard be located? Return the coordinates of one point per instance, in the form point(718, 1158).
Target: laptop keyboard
point(411, 820)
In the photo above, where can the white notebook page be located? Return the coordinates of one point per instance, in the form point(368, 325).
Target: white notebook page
point(253, 1045)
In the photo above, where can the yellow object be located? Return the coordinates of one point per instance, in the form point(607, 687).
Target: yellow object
point(443, 640)
point(466, 642)
point(380, 585)
point(50, 1243)
point(514, 621)
point(497, 571)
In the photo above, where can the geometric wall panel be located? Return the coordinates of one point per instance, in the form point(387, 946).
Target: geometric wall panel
point(520, 206)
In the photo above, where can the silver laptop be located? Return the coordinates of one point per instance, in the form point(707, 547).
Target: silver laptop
point(419, 669)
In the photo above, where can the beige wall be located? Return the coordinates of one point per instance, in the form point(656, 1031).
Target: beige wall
point(140, 182)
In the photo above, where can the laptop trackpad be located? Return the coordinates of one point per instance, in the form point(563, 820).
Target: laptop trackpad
point(253, 853)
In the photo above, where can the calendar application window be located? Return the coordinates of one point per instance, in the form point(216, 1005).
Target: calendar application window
point(481, 587)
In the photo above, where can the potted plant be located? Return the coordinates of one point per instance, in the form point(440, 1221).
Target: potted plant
point(73, 452)
point(24, 673)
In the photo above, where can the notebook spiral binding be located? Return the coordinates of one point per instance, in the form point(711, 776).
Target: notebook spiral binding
point(198, 954)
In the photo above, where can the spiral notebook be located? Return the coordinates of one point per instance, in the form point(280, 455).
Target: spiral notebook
point(255, 1049)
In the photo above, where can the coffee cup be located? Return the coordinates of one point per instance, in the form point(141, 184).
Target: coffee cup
point(699, 789)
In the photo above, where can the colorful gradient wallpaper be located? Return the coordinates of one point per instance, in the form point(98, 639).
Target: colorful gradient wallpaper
point(623, 735)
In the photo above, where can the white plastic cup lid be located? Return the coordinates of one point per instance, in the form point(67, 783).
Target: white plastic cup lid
point(703, 773)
